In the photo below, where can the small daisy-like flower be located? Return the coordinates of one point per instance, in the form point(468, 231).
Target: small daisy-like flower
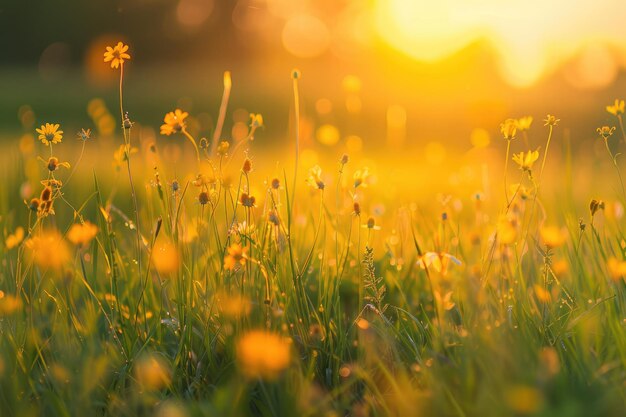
point(203, 198)
point(121, 155)
point(81, 234)
point(275, 184)
point(617, 108)
point(53, 164)
point(174, 122)
point(50, 133)
point(315, 178)
point(247, 200)
point(247, 166)
point(371, 224)
point(256, 120)
point(236, 256)
point(526, 160)
point(84, 134)
point(551, 120)
point(523, 123)
point(445, 301)
point(360, 177)
point(605, 132)
point(552, 236)
point(356, 209)
point(15, 238)
point(437, 260)
point(509, 129)
point(116, 55)
point(222, 148)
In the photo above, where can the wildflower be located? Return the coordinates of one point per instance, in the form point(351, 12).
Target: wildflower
point(14, 239)
point(356, 208)
point(45, 202)
point(295, 74)
point(523, 123)
point(616, 268)
point(552, 237)
point(315, 178)
point(360, 177)
point(509, 129)
point(54, 164)
point(247, 166)
point(256, 120)
point(438, 260)
point(261, 354)
point(526, 160)
point(9, 304)
point(247, 200)
point(371, 224)
point(605, 132)
point(507, 232)
point(595, 205)
point(444, 301)
point(203, 198)
point(152, 372)
point(272, 217)
point(174, 122)
point(121, 155)
point(48, 249)
point(201, 180)
point(275, 184)
point(165, 258)
point(50, 133)
point(84, 135)
point(617, 108)
point(116, 55)
point(222, 148)
point(33, 205)
point(344, 159)
point(80, 234)
point(551, 120)
point(236, 256)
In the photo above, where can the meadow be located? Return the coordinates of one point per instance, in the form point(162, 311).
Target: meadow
point(160, 273)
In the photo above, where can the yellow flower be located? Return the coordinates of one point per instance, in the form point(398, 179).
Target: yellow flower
point(617, 269)
point(174, 122)
point(165, 258)
point(361, 176)
point(507, 232)
point(256, 120)
point(526, 160)
point(15, 238)
point(222, 148)
point(82, 234)
point(523, 123)
point(53, 163)
point(315, 178)
point(48, 250)
point(551, 120)
point(445, 301)
point(605, 132)
point(509, 128)
point(236, 256)
point(120, 156)
point(439, 261)
point(116, 55)
point(152, 372)
point(261, 354)
point(371, 224)
point(552, 236)
point(50, 133)
point(617, 108)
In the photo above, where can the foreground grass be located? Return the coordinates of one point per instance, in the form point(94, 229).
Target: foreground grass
point(221, 285)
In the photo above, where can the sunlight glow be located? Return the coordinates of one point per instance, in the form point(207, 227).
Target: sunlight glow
point(530, 37)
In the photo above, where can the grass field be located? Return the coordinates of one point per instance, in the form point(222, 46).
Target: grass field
point(187, 276)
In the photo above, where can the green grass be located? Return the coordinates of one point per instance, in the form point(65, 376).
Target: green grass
point(116, 330)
